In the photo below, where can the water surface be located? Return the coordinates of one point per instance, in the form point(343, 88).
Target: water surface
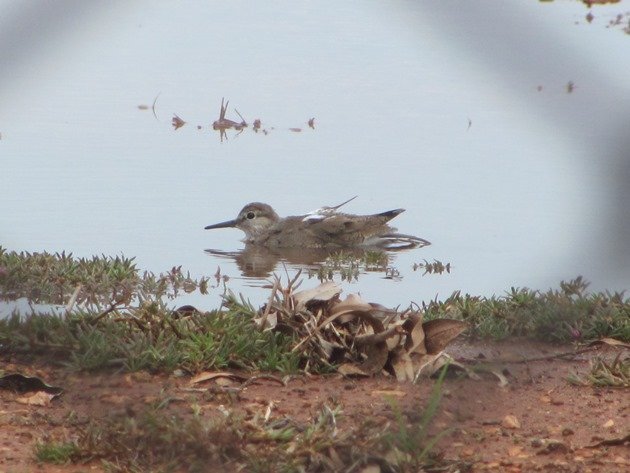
point(461, 113)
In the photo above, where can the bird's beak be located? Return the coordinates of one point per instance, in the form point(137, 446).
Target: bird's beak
point(228, 224)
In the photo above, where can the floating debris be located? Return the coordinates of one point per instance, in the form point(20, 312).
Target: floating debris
point(178, 122)
point(223, 123)
point(437, 267)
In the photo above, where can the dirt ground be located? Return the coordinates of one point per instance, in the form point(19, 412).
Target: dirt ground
point(537, 422)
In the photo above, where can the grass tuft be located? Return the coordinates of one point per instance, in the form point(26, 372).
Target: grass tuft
point(100, 280)
point(564, 315)
point(605, 373)
point(150, 337)
point(158, 439)
point(410, 446)
point(56, 452)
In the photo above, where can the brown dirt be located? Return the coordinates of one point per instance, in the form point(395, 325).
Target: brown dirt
point(556, 421)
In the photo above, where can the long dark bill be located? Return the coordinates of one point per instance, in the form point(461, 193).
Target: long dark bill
point(228, 224)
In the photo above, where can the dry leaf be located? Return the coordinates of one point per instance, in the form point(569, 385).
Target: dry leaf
point(22, 384)
point(40, 398)
point(225, 381)
point(375, 323)
point(376, 357)
point(327, 347)
point(503, 382)
point(428, 365)
point(209, 375)
point(381, 336)
point(610, 342)
point(393, 342)
point(364, 335)
point(270, 322)
point(324, 292)
point(388, 392)
point(402, 366)
point(415, 342)
point(440, 332)
point(384, 313)
point(352, 303)
point(350, 369)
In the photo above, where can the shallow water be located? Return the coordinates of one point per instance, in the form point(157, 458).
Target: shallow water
point(459, 113)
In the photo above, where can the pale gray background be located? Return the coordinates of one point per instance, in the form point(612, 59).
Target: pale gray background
point(535, 192)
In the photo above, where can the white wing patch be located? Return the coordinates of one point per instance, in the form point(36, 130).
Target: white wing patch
point(322, 213)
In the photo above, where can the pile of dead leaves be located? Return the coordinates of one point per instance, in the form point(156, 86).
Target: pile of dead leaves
point(355, 337)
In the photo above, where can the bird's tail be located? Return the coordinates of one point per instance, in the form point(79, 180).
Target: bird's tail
point(390, 213)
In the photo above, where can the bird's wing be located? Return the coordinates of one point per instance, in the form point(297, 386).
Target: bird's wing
point(347, 230)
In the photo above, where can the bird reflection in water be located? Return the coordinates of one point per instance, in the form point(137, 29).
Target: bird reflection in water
point(260, 262)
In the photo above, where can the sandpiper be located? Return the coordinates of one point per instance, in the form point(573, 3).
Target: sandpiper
point(321, 228)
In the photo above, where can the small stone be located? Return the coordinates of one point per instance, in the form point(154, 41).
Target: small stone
point(510, 422)
point(554, 446)
point(608, 424)
point(467, 452)
point(514, 450)
point(567, 431)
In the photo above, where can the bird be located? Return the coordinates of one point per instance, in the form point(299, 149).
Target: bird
point(321, 228)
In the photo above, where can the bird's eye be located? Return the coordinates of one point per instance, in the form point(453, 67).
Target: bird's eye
point(250, 215)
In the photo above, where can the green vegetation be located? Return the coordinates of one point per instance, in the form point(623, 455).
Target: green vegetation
point(52, 278)
point(411, 444)
point(605, 373)
point(161, 439)
point(157, 440)
point(564, 315)
point(151, 337)
point(116, 316)
point(56, 452)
